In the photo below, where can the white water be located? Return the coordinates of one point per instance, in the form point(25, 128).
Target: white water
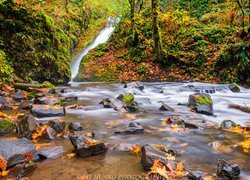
point(101, 38)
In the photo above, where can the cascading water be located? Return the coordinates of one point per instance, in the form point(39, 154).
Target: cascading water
point(101, 38)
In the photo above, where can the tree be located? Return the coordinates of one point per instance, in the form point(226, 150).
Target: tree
point(135, 8)
point(242, 6)
point(157, 42)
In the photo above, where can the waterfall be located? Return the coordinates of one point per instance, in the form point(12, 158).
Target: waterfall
point(101, 38)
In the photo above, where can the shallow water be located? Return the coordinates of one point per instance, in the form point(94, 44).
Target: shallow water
point(196, 153)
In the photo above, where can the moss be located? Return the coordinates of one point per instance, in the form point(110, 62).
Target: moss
point(6, 126)
point(203, 99)
point(128, 99)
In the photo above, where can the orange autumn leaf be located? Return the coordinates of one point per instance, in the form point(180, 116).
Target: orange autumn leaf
point(158, 168)
point(180, 166)
point(3, 163)
point(4, 173)
point(71, 155)
point(39, 132)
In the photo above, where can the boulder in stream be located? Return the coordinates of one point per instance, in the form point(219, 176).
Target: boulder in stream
point(133, 128)
point(227, 124)
point(43, 111)
point(50, 152)
point(136, 84)
point(85, 146)
point(226, 170)
point(48, 99)
point(58, 125)
point(150, 154)
point(75, 126)
point(201, 103)
point(107, 103)
point(166, 107)
point(26, 124)
point(15, 151)
point(22, 170)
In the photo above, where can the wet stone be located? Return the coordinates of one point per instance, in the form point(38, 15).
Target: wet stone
point(227, 124)
point(85, 146)
point(49, 99)
point(194, 175)
point(201, 103)
point(166, 107)
point(42, 111)
point(137, 85)
point(25, 124)
point(123, 147)
point(49, 133)
point(58, 125)
point(226, 170)
point(22, 170)
point(50, 152)
point(107, 103)
point(19, 96)
point(75, 126)
point(26, 105)
point(150, 154)
point(133, 128)
point(14, 151)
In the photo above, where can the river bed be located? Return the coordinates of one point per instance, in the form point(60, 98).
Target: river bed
point(192, 146)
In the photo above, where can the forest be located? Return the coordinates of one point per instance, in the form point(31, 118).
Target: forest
point(125, 89)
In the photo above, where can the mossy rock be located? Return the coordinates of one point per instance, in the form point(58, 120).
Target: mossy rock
point(128, 99)
point(227, 124)
point(201, 103)
point(6, 126)
point(203, 99)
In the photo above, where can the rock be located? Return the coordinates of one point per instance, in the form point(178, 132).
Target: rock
point(50, 152)
point(190, 126)
point(48, 99)
point(201, 103)
point(6, 126)
point(42, 111)
point(228, 124)
point(58, 125)
point(19, 96)
point(107, 103)
point(75, 126)
point(137, 85)
point(4, 104)
point(21, 170)
point(226, 170)
point(175, 120)
point(234, 87)
point(85, 146)
point(133, 128)
point(166, 107)
point(203, 89)
point(194, 175)
point(123, 147)
point(49, 133)
point(70, 98)
point(26, 105)
point(26, 124)
point(14, 151)
point(150, 154)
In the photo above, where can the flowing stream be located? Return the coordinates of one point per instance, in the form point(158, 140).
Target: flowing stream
point(101, 38)
point(192, 146)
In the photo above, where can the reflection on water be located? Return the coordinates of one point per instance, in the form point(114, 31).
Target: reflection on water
point(191, 146)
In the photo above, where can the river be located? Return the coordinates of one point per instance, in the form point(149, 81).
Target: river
point(192, 146)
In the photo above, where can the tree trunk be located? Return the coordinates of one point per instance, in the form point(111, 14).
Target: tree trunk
point(157, 43)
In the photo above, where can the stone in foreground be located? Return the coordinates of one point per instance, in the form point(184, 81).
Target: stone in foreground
point(201, 103)
point(15, 151)
point(85, 146)
point(133, 128)
point(43, 111)
point(226, 170)
point(150, 154)
point(51, 152)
